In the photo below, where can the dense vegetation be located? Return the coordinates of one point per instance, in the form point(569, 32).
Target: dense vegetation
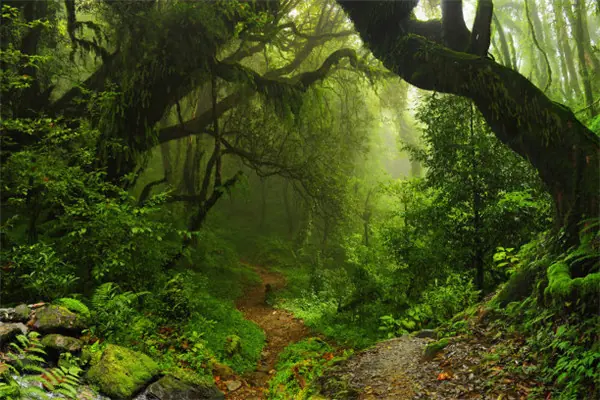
point(401, 175)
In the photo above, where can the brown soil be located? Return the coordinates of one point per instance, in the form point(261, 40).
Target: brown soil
point(281, 329)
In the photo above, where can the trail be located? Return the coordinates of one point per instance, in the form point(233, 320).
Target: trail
point(281, 329)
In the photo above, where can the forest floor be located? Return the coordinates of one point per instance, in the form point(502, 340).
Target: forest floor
point(281, 329)
point(477, 365)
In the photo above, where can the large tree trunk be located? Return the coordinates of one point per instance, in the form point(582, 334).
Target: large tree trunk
point(564, 151)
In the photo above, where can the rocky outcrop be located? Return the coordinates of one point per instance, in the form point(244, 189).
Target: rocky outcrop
point(171, 388)
point(120, 373)
point(58, 319)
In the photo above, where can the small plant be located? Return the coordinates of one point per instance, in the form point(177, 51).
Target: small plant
point(506, 260)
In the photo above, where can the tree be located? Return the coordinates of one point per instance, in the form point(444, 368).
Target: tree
point(443, 55)
point(484, 195)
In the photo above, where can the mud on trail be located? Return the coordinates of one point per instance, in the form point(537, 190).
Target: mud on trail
point(281, 329)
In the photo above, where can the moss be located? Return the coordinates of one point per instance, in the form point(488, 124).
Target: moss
point(61, 343)
point(22, 312)
point(434, 348)
point(561, 286)
point(121, 372)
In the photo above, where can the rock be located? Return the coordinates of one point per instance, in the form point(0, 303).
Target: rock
point(221, 370)
point(434, 348)
point(57, 319)
point(9, 331)
point(18, 314)
point(171, 388)
point(22, 313)
point(427, 333)
point(233, 385)
point(56, 344)
point(121, 372)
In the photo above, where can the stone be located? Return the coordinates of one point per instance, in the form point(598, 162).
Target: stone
point(432, 349)
point(427, 333)
point(120, 372)
point(171, 388)
point(56, 344)
point(233, 385)
point(18, 314)
point(8, 331)
point(57, 319)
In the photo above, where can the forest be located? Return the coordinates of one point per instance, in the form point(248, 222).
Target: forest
point(300, 199)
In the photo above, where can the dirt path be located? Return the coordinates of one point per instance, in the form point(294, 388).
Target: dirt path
point(281, 329)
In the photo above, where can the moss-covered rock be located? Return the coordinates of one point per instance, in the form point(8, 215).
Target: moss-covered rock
point(56, 344)
point(75, 306)
point(58, 319)
point(432, 349)
point(22, 313)
point(121, 372)
point(170, 388)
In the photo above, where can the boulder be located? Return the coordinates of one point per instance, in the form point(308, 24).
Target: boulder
point(18, 314)
point(171, 388)
point(56, 344)
point(120, 372)
point(9, 331)
point(57, 319)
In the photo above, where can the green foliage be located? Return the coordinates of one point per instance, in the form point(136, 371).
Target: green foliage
point(299, 365)
point(438, 305)
point(41, 272)
point(560, 342)
point(505, 260)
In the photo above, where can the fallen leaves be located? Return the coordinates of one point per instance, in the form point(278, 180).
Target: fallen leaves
point(444, 376)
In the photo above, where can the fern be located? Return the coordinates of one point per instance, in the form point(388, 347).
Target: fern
point(75, 306)
point(112, 309)
point(25, 357)
point(63, 380)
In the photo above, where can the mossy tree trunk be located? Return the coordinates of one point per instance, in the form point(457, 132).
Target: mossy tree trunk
point(547, 134)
